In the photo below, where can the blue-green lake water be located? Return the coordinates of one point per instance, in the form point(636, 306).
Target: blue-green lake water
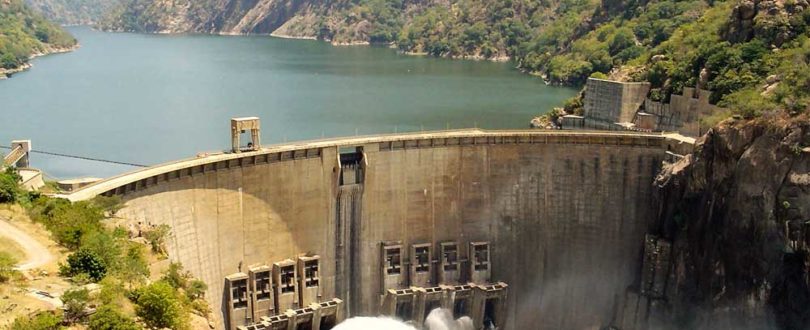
point(152, 98)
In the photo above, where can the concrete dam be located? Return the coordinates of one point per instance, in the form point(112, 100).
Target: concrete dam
point(515, 229)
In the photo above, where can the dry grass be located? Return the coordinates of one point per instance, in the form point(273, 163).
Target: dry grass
point(12, 248)
point(15, 299)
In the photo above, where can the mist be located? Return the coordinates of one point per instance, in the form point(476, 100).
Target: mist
point(437, 319)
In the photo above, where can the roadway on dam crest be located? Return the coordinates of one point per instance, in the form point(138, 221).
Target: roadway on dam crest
point(123, 179)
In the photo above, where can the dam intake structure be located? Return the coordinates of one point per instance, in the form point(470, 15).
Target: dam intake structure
point(519, 229)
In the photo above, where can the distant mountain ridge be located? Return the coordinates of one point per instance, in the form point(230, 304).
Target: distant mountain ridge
point(73, 12)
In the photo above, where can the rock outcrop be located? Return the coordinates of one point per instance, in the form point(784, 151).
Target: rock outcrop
point(737, 215)
point(306, 19)
point(772, 20)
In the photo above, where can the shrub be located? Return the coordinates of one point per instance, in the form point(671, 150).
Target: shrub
point(108, 318)
point(133, 268)
point(196, 289)
point(105, 246)
point(10, 190)
point(9, 61)
point(175, 276)
point(40, 321)
point(598, 75)
point(7, 263)
point(748, 103)
point(159, 305)
point(157, 238)
point(109, 204)
point(68, 222)
point(75, 301)
point(85, 262)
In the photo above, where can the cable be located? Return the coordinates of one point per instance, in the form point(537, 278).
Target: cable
point(80, 157)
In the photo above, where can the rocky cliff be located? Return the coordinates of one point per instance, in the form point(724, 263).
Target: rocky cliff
point(340, 21)
point(736, 214)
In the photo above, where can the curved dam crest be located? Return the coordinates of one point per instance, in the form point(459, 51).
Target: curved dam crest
point(564, 213)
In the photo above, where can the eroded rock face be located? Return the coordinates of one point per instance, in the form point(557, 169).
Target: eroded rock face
point(771, 20)
point(737, 213)
point(288, 18)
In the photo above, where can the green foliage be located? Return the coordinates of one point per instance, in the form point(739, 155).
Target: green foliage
point(69, 222)
point(110, 318)
point(40, 321)
point(574, 104)
point(85, 262)
point(7, 263)
point(23, 33)
point(160, 306)
point(108, 204)
point(598, 75)
point(157, 238)
point(132, 268)
point(10, 190)
point(183, 281)
point(73, 12)
point(75, 302)
point(105, 246)
point(175, 276)
point(196, 289)
point(748, 103)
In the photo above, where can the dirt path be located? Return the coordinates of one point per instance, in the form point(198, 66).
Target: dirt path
point(37, 254)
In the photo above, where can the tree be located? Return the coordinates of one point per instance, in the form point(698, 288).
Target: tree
point(133, 268)
point(175, 276)
point(8, 61)
point(9, 186)
point(85, 262)
point(105, 246)
point(159, 305)
point(108, 318)
point(75, 302)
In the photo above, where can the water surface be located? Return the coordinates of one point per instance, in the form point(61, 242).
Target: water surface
point(153, 98)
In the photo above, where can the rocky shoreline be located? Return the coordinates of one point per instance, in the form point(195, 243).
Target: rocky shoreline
point(8, 73)
point(470, 57)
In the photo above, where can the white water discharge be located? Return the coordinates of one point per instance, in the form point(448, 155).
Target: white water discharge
point(438, 319)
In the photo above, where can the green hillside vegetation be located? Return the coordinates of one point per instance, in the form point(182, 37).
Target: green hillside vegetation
point(24, 33)
point(753, 55)
point(72, 12)
point(103, 253)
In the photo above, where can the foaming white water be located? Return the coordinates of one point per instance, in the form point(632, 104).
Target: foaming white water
point(372, 323)
point(438, 319)
point(442, 319)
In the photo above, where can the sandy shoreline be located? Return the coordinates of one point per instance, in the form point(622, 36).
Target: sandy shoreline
point(286, 36)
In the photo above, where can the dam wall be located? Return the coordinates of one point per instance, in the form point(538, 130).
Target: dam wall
point(564, 213)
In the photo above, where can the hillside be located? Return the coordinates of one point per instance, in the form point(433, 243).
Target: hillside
point(24, 34)
point(72, 12)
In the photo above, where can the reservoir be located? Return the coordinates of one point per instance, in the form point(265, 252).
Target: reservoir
point(147, 99)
